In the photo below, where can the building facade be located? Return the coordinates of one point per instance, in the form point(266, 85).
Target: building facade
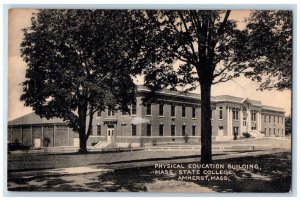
point(173, 117)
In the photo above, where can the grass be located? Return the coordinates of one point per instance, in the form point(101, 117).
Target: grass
point(274, 176)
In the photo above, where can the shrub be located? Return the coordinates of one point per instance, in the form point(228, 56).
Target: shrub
point(94, 143)
point(235, 136)
point(142, 142)
point(186, 138)
point(154, 142)
point(46, 141)
point(246, 135)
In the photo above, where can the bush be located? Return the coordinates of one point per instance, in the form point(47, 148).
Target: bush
point(235, 136)
point(186, 138)
point(246, 135)
point(154, 142)
point(94, 143)
point(142, 142)
point(46, 141)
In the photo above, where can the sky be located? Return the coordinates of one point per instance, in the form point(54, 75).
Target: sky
point(20, 18)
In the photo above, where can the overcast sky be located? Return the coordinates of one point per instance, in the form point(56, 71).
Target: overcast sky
point(20, 18)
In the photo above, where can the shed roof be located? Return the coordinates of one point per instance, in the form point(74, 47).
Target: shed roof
point(33, 118)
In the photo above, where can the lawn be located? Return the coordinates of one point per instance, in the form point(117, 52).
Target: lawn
point(274, 175)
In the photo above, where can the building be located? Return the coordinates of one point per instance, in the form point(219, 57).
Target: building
point(174, 117)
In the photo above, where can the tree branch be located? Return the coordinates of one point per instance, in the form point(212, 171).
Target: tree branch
point(224, 79)
point(191, 44)
point(222, 26)
point(224, 69)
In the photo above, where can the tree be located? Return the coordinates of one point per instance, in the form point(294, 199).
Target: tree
point(79, 62)
point(208, 48)
point(288, 125)
point(206, 43)
point(270, 35)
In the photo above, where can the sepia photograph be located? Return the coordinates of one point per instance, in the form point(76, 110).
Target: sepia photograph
point(149, 100)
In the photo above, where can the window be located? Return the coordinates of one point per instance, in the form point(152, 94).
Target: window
point(149, 112)
point(133, 129)
point(161, 130)
point(220, 127)
point(173, 130)
point(98, 129)
point(253, 128)
point(110, 113)
point(253, 115)
point(278, 121)
point(183, 130)
point(270, 131)
point(161, 109)
point(274, 131)
point(193, 130)
point(269, 119)
point(274, 119)
point(221, 113)
point(194, 112)
point(183, 111)
point(99, 113)
point(235, 113)
point(133, 108)
point(149, 129)
point(265, 131)
point(173, 110)
point(265, 120)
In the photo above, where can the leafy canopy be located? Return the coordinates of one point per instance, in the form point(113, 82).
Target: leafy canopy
point(79, 59)
point(270, 36)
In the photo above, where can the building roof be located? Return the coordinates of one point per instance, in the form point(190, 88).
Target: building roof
point(171, 92)
point(221, 98)
point(277, 109)
point(236, 99)
point(33, 118)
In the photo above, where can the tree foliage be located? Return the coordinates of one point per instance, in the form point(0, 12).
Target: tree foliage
point(269, 34)
point(206, 46)
point(288, 125)
point(79, 62)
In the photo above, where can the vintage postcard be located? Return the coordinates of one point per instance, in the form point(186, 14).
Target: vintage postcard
point(149, 100)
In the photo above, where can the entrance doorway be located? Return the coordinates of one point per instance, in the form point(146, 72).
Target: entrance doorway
point(37, 142)
point(110, 133)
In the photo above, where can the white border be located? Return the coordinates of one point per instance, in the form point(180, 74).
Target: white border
point(258, 4)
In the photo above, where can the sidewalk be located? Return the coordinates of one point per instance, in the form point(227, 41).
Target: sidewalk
point(124, 164)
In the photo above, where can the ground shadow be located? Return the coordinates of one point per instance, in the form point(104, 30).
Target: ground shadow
point(274, 175)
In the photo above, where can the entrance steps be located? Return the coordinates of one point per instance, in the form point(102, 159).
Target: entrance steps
point(100, 145)
point(256, 134)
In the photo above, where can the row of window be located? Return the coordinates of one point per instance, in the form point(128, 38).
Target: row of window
point(274, 131)
point(279, 119)
point(161, 130)
point(149, 130)
point(183, 130)
point(235, 113)
point(111, 113)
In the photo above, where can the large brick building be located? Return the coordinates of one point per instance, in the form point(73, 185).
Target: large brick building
point(173, 117)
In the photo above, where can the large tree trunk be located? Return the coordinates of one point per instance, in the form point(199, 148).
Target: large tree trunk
point(82, 111)
point(206, 131)
point(83, 140)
